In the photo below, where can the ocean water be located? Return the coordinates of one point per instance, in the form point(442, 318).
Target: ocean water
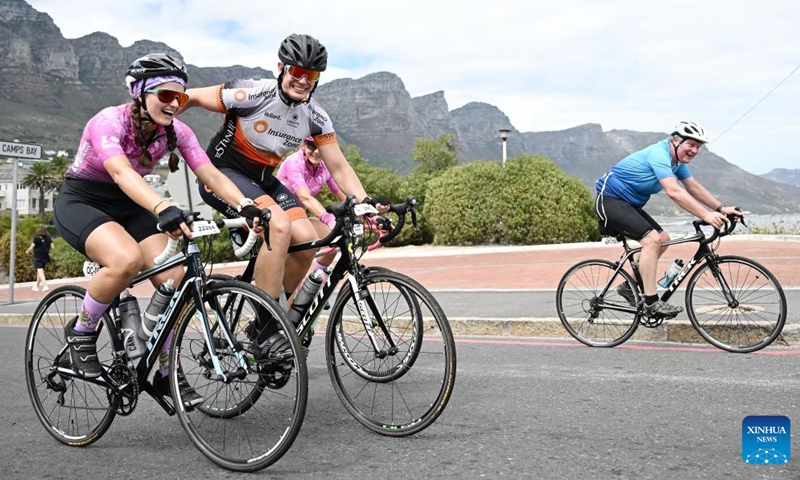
point(682, 226)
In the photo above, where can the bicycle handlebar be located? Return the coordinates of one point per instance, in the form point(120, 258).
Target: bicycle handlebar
point(346, 208)
point(193, 219)
point(730, 225)
point(401, 209)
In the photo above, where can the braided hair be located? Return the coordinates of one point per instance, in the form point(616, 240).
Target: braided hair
point(140, 120)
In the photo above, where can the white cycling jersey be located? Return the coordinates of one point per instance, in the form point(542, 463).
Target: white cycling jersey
point(260, 127)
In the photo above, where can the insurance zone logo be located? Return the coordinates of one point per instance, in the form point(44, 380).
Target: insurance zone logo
point(766, 439)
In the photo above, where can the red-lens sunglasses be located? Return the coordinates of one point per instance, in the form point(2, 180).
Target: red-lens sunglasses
point(298, 72)
point(167, 96)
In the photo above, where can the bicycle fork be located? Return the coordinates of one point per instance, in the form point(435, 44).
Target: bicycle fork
point(365, 304)
point(723, 284)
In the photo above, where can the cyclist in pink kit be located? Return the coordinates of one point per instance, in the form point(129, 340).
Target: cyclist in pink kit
point(106, 210)
point(304, 174)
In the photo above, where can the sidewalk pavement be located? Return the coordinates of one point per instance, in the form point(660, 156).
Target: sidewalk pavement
point(510, 268)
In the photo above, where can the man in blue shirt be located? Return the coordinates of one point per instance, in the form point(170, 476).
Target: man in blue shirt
point(625, 189)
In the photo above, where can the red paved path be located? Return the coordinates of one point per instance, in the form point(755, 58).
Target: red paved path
point(542, 267)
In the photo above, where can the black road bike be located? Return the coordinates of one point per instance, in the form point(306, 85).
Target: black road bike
point(389, 349)
point(220, 363)
point(733, 302)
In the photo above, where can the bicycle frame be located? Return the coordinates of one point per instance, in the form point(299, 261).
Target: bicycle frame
point(342, 237)
point(704, 252)
point(192, 286)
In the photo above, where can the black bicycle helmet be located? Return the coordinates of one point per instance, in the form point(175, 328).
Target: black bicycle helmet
point(303, 51)
point(156, 65)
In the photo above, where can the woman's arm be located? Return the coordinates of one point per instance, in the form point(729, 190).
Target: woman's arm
point(219, 183)
point(133, 184)
point(308, 201)
point(206, 97)
point(341, 171)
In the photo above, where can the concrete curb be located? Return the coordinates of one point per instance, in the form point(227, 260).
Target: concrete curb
point(675, 331)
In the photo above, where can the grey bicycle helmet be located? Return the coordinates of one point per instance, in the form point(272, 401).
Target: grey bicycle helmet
point(690, 130)
point(304, 51)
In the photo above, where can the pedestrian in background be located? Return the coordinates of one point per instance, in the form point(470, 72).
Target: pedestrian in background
point(41, 246)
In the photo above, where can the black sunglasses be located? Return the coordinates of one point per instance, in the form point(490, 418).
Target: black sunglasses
point(311, 146)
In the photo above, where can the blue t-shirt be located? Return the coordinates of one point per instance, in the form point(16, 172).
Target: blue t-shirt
point(636, 176)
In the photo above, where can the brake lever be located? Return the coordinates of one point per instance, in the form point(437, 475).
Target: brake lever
point(414, 218)
point(741, 219)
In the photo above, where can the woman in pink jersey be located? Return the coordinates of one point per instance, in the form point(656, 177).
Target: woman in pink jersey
point(106, 210)
point(304, 174)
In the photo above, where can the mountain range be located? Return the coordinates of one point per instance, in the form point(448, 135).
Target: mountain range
point(53, 85)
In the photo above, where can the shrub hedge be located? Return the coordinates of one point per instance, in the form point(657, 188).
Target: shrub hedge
point(530, 201)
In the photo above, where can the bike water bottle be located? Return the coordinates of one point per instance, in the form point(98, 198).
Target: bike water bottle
point(130, 319)
point(305, 296)
point(158, 304)
point(671, 273)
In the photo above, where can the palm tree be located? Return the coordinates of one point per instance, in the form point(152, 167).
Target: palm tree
point(41, 177)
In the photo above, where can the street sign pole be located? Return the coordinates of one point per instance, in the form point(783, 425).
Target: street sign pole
point(13, 240)
point(17, 150)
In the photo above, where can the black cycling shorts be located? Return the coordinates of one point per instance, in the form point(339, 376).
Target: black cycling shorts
point(269, 191)
point(83, 205)
point(620, 217)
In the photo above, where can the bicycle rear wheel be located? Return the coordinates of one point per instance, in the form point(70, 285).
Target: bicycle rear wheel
point(74, 411)
point(245, 435)
point(400, 385)
point(592, 319)
point(750, 320)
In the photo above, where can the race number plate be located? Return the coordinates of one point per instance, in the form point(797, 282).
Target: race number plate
point(202, 228)
point(364, 209)
point(90, 268)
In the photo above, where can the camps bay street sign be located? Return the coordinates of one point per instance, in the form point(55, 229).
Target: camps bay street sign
point(20, 150)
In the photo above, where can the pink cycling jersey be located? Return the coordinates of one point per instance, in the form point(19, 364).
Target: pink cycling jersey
point(296, 173)
point(110, 134)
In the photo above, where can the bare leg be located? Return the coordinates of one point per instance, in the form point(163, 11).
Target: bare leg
point(122, 258)
point(297, 264)
point(271, 264)
point(41, 281)
point(648, 261)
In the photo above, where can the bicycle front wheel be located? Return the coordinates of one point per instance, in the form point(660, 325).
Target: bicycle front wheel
point(244, 435)
point(74, 411)
point(590, 307)
point(395, 368)
point(749, 318)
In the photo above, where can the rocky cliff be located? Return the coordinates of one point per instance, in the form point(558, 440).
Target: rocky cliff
point(53, 85)
point(784, 175)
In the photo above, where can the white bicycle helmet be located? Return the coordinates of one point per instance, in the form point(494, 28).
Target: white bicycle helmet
point(690, 130)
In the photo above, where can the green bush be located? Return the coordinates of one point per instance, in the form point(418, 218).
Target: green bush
point(462, 207)
point(66, 261)
point(530, 201)
point(545, 205)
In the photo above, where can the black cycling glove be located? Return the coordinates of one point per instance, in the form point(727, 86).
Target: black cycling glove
point(375, 201)
point(251, 211)
point(170, 219)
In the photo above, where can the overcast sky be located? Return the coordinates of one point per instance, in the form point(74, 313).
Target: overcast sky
point(625, 64)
